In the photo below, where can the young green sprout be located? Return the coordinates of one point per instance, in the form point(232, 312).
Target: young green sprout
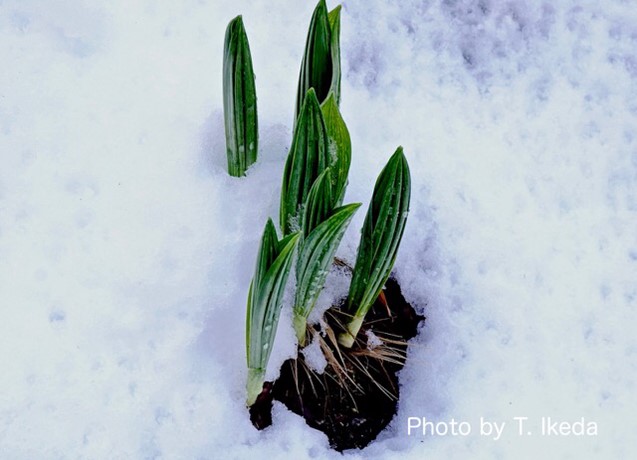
point(334, 18)
point(308, 158)
point(239, 100)
point(340, 146)
point(320, 156)
point(323, 229)
point(382, 231)
point(312, 216)
point(321, 65)
point(265, 299)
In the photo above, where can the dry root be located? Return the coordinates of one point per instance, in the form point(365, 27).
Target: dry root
point(347, 365)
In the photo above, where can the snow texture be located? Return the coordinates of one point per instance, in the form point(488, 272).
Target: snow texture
point(373, 340)
point(314, 356)
point(126, 250)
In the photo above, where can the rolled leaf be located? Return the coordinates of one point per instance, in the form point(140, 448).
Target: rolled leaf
point(340, 146)
point(380, 237)
point(334, 18)
point(315, 256)
point(307, 159)
point(316, 66)
point(319, 203)
point(265, 299)
point(239, 100)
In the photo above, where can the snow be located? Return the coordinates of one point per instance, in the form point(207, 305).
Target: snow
point(314, 356)
point(126, 250)
point(373, 340)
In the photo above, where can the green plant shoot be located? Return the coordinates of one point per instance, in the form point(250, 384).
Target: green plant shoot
point(321, 64)
point(239, 100)
point(319, 203)
point(380, 237)
point(334, 18)
point(308, 158)
point(320, 239)
point(265, 299)
point(340, 147)
point(323, 229)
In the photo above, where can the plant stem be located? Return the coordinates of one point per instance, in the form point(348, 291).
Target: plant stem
point(255, 384)
point(300, 327)
point(347, 338)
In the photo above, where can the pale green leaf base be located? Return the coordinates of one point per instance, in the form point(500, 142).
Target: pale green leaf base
point(300, 326)
point(346, 339)
point(255, 385)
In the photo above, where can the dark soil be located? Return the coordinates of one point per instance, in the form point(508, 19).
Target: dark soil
point(355, 398)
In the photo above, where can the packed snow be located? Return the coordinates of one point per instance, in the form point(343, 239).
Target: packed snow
point(126, 250)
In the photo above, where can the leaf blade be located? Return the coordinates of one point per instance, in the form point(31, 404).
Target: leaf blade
point(319, 203)
point(334, 18)
point(316, 66)
point(239, 100)
point(340, 145)
point(382, 232)
point(315, 256)
point(265, 300)
point(307, 159)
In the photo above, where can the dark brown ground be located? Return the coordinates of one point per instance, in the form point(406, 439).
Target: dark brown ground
point(356, 397)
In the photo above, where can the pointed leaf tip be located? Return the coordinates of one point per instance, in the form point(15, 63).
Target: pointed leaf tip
point(307, 158)
point(316, 66)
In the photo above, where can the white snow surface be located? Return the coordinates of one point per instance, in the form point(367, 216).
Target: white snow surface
point(126, 250)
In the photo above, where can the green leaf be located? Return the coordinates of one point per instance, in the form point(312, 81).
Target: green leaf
point(334, 18)
point(267, 252)
point(265, 299)
point(239, 100)
point(340, 146)
point(307, 159)
point(316, 66)
point(315, 256)
point(382, 231)
point(319, 204)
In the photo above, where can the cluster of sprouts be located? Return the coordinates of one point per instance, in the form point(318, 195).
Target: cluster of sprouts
point(312, 217)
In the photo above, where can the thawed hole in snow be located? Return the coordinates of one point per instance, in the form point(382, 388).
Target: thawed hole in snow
point(355, 395)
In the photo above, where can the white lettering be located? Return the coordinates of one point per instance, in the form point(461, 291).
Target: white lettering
point(491, 428)
point(410, 425)
point(442, 428)
point(521, 421)
point(578, 428)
